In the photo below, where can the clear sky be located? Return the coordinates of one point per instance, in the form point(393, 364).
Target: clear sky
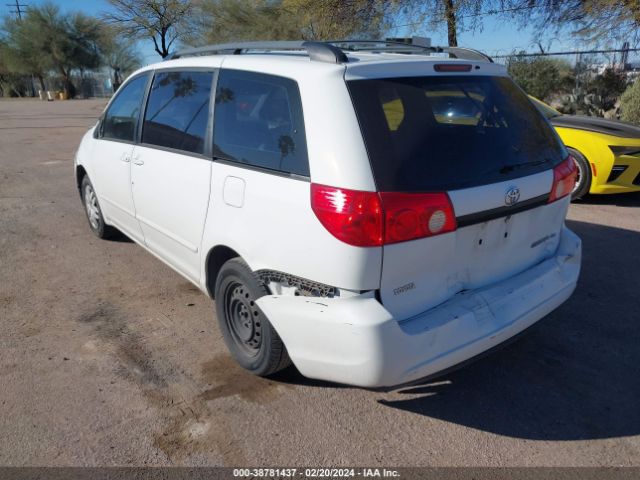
point(497, 37)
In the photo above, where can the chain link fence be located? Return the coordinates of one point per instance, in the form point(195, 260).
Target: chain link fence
point(588, 82)
point(92, 84)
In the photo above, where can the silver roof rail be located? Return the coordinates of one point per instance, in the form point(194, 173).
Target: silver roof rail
point(318, 51)
point(455, 52)
point(415, 45)
point(333, 51)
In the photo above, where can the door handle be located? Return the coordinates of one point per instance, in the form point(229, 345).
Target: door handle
point(136, 160)
point(125, 158)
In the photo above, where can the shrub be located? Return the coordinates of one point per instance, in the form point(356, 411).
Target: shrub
point(541, 77)
point(630, 104)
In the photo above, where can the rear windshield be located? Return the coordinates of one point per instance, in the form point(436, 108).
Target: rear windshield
point(445, 133)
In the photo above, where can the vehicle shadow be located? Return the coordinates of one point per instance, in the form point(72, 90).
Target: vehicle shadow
point(576, 376)
point(119, 237)
point(620, 199)
point(291, 376)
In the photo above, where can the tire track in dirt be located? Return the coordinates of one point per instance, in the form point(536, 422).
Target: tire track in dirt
point(192, 420)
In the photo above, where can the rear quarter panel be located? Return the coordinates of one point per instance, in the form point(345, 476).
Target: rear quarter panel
point(271, 226)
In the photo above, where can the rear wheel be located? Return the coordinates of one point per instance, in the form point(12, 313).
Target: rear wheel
point(583, 180)
point(93, 211)
point(251, 339)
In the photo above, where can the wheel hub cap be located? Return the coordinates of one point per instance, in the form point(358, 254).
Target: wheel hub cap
point(91, 204)
point(579, 175)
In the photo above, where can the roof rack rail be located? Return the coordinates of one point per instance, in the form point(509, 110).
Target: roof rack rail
point(318, 51)
point(333, 51)
point(412, 45)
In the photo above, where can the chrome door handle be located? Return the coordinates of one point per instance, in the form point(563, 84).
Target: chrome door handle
point(136, 160)
point(125, 158)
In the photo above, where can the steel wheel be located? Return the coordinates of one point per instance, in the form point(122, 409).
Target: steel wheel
point(243, 318)
point(247, 332)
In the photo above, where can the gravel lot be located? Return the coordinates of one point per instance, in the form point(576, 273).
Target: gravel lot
point(107, 357)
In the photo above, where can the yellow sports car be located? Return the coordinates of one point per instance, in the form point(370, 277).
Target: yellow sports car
point(607, 152)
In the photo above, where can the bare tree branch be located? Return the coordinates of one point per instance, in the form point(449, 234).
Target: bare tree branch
point(163, 21)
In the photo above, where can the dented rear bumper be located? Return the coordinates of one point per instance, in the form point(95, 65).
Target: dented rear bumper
point(357, 341)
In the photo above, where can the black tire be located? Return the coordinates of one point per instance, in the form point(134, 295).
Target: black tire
point(249, 335)
point(583, 184)
point(95, 219)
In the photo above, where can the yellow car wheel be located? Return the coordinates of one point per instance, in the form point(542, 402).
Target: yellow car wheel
point(583, 180)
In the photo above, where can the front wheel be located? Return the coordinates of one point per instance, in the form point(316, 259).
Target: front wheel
point(583, 179)
point(251, 339)
point(93, 211)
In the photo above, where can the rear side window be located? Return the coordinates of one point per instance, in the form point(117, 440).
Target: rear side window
point(121, 118)
point(258, 121)
point(177, 111)
point(444, 133)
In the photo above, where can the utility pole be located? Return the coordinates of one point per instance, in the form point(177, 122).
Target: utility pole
point(625, 55)
point(18, 11)
point(18, 8)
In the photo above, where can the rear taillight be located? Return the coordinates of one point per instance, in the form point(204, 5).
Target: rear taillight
point(351, 216)
point(408, 216)
point(371, 219)
point(564, 179)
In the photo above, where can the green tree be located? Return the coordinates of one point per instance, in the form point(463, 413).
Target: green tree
point(456, 15)
point(606, 89)
point(592, 19)
point(539, 76)
point(235, 20)
point(45, 40)
point(11, 84)
point(22, 52)
point(70, 41)
point(341, 19)
point(630, 104)
point(162, 21)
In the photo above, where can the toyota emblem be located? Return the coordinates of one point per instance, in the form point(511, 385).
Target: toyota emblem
point(512, 196)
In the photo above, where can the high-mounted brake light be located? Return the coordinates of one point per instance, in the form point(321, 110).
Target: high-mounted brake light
point(564, 179)
point(452, 67)
point(371, 219)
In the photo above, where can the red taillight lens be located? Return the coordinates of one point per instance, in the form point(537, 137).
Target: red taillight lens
point(415, 215)
point(351, 216)
point(564, 179)
point(371, 219)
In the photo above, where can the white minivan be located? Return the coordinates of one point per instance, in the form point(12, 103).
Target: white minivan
point(372, 212)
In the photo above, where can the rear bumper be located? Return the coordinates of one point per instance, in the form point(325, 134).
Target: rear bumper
point(357, 341)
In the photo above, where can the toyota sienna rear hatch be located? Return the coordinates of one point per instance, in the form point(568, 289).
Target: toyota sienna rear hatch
point(465, 165)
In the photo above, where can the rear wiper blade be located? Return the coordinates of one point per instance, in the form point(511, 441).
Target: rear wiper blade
point(511, 168)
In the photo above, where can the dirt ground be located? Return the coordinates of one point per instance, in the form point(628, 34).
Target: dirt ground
point(107, 357)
